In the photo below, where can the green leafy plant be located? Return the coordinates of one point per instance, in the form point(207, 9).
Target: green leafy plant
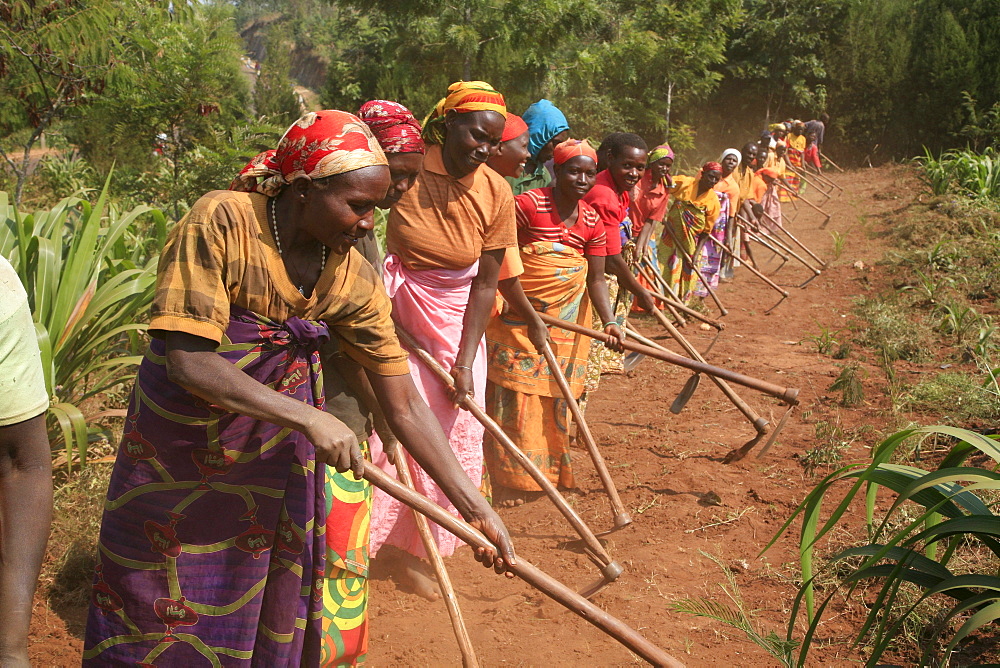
point(89, 286)
point(839, 241)
point(826, 340)
point(940, 520)
point(848, 383)
point(957, 320)
point(964, 171)
point(737, 616)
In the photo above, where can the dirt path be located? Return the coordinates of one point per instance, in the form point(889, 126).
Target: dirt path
point(669, 470)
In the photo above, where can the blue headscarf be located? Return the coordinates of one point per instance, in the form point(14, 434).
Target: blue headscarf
point(544, 121)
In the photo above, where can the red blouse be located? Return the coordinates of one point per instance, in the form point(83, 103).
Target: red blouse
point(611, 206)
point(538, 220)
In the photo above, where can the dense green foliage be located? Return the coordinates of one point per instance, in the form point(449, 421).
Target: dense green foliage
point(160, 89)
point(89, 271)
point(938, 523)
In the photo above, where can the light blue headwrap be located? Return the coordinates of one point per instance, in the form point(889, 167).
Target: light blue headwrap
point(544, 121)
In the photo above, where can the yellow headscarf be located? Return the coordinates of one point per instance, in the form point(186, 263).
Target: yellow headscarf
point(463, 97)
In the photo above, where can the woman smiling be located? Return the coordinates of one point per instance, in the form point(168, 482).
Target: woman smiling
point(446, 239)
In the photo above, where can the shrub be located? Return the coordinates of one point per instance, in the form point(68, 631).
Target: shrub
point(90, 276)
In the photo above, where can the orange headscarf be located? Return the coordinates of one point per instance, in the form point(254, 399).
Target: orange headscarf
point(514, 127)
point(463, 97)
point(572, 148)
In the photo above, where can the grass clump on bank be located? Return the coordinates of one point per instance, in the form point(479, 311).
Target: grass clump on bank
point(964, 398)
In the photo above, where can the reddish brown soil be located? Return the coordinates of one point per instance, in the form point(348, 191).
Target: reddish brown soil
point(669, 471)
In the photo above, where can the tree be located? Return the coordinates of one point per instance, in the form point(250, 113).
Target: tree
point(273, 95)
point(53, 56)
point(192, 89)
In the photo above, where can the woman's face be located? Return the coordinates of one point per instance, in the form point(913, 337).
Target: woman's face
point(545, 154)
point(729, 163)
point(709, 179)
point(576, 176)
point(510, 157)
point(627, 166)
point(471, 139)
point(779, 150)
point(660, 169)
point(403, 170)
point(337, 211)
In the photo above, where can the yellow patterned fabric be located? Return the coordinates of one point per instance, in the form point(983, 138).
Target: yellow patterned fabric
point(555, 281)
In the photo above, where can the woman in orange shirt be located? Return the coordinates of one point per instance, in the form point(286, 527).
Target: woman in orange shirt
point(446, 239)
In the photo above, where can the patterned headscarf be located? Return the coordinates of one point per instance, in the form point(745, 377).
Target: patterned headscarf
point(463, 97)
point(711, 167)
point(544, 121)
point(320, 144)
point(572, 148)
point(731, 151)
point(514, 127)
point(659, 153)
point(393, 125)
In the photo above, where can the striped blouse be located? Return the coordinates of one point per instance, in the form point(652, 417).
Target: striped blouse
point(538, 220)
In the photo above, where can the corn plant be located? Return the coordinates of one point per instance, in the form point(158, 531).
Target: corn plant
point(974, 174)
point(89, 284)
point(937, 520)
point(958, 320)
point(839, 242)
point(826, 340)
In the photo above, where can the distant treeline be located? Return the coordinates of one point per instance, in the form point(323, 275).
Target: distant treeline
point(895, 75)
point(159, 88)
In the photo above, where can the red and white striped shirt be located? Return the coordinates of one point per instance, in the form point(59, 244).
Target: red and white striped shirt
point(538, 220)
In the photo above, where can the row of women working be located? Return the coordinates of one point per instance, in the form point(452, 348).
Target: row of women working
point(237, 528)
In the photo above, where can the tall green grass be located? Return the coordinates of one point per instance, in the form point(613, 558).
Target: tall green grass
point(89, 271)
point(965, 171)
point(939, 523)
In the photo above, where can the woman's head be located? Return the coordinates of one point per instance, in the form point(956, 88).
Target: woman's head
point(398, 133)
point(547, 127)
point(749, 153)
point(575, 167)
point(627, 160)
point(469, 124)
point(337, 211)
point(710, 174)
point(331, 172)
point(513, 150)
point(768, 174)
point(729, 160)
point(763, 148)
point(659, 161)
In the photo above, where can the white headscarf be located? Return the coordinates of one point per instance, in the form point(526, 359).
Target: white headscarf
point(732, 151)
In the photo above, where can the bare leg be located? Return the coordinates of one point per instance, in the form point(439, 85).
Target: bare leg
point(25, 517)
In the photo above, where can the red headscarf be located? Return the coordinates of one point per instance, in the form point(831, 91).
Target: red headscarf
point(572, 148)
point(767, 171)
point(320, 144)
point(514, 127)
point(711, 167)
point(393, 125)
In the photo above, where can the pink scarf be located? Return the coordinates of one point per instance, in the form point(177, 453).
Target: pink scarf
point(430, 305)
